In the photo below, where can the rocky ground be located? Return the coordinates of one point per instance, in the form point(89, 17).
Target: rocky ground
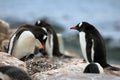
point(56, 69)
point(65, 69)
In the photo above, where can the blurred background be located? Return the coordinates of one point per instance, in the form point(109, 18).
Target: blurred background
point(63, 14)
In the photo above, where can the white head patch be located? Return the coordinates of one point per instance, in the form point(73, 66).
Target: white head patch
point(38, 22)
point(44, 37)
point(80, 24)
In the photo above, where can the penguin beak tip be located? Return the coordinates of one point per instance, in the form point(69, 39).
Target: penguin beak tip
point(73, 28)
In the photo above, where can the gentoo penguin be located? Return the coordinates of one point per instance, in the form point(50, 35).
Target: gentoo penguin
point(93, 68)
point(24, 41)
point(51, 45)
point(13, 73)
point(92, 45)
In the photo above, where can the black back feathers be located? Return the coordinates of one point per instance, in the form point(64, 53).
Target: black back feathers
point(51, 31)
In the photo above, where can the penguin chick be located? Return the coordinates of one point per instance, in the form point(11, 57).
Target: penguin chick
point(92, 45)
point(13, 73)
point(93, 68)
point(23, 41)
point(51, 45)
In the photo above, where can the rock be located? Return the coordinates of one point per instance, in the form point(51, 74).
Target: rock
point(76, 76)
point(2, 37)
point(6, 59)
point(36, 65)
point(12, 31)
point(4, 27)
point(4, 77)
point(4, 45)
point(109, 72)
point(4, 32)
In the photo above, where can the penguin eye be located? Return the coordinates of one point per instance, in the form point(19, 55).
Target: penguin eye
point(44, 37)
point(80, 24)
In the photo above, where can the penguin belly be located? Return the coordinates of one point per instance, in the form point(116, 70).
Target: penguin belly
point(25, 45)
point(83, 44)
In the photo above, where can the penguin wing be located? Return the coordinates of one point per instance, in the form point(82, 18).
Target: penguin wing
point(12, 43)
point(89, 48)
point(14, 39)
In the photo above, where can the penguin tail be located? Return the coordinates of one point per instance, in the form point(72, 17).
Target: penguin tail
point(113, 68)
point(61, 55)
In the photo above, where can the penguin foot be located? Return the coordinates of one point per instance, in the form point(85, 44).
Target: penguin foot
point(27, 57)
point(65, 56)
point(112, 68)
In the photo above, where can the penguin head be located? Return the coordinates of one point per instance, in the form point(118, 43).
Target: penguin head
point(93, 68)
point(80, 26)
point(44, 40)
point(41, 23)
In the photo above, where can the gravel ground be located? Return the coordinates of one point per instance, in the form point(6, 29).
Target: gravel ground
point(62, 69)
point(44, 64)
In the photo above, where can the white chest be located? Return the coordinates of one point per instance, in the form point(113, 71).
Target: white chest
point(49, 45)
point(83, 44)
point(25, 45)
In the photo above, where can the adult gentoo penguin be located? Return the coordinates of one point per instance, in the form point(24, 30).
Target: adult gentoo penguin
point(51, 45)
point(24, 41)
point(13, 73)
point(92, 45)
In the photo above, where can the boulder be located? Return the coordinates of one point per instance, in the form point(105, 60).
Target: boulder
point(4, 27)
point(6, 59)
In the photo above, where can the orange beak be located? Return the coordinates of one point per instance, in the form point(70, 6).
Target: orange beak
point(73, 28)
point(43, 45)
